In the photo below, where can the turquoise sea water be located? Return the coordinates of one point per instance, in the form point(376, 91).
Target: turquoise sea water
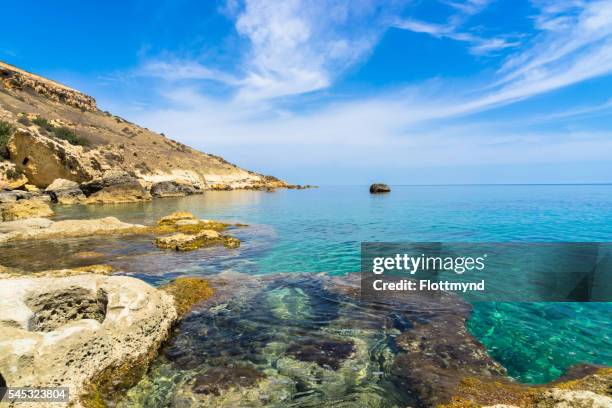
point(320, 230)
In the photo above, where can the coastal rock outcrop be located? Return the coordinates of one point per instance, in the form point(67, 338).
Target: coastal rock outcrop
point(36, 229)
point(22, 209)
point(189, 232)
point(174, 188)
point(377, 188)
point(114, 187)
point(78, 331)
point(44, 159)
point(60, 133)
point(65, 192)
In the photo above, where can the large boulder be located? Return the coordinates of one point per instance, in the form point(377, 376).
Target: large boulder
point(115, 187)
point(377, 188)
point(81, 332)
point(44, 159)
point(22, 209)
point(174, 188)
point(65, 192)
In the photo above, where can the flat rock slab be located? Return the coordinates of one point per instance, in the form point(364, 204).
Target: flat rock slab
point(29, 229)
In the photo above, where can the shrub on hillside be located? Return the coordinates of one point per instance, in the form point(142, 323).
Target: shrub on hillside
point(6, 131)
point(70, 136)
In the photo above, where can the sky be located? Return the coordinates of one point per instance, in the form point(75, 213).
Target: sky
point(346, 91)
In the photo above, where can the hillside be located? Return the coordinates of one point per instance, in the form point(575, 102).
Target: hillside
point(59, 132)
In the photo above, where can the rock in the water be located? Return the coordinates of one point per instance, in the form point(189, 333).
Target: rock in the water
point(65, 192)
point(70, 229)
point(114, 187)
point(189, 242)
point(379, 188)
point(28, 223)
point(80, 331)
point(22, 209)
point(171, 219)
point(174, 188)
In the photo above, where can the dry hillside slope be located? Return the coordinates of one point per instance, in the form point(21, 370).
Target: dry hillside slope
point(59, 133)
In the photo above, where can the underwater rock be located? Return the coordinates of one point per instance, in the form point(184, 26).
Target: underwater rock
point(379, 188)
point(218, 379)
point(327, 353)
point(187, 292)
point(80, 332)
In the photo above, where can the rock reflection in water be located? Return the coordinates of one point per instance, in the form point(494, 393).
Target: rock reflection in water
point(292, 340)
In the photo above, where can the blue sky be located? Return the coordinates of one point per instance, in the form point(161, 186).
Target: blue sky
point(346, 92)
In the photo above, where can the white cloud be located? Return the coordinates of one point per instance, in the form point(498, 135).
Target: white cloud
point(294, 49)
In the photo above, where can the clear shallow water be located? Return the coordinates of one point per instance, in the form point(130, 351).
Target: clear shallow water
point(320, 230)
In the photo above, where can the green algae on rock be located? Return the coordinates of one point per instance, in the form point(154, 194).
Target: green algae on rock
point(187, 292)
point(190, 233)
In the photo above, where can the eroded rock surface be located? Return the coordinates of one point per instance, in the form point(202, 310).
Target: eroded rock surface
point(189, 233)
point(36, 229)
point(65, 192)
point(114, 187)
point(23, 209)
point(66, 331)
point(174, 188)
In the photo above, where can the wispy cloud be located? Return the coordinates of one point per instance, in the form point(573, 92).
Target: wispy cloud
point(454, 30)
point(478, 45)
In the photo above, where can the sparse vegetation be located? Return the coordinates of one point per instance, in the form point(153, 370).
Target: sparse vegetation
point(6, 131)
point(43, 124)
point(70, 136)
point(61, 132)
point(24, 121)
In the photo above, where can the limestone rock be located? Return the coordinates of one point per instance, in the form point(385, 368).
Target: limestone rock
point(10, 177)
point(24, 209)
point(28, 223)
point(188, 242)
point(171, 219)
point(65, 192)
point(114, 187)
point(173, 188)
point(70, 228)
point(70, 331)
point(560, 398)
point(31, 188)
point(379, 188)
point(45, 159)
